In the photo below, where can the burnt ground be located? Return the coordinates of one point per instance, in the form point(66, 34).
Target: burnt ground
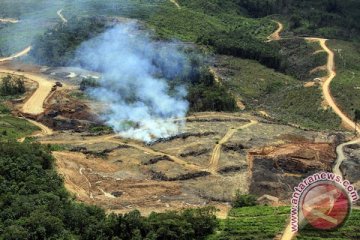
point(217, 155)
point(121, 174)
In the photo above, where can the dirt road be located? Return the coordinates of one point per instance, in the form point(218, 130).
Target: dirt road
point(326, 85)
point(59, 13)
point(16, 55)
point(8, 20)
point(113, 138)
point(275, 36)
point(34, 105)
point(341, 157)
point(44, 129)
point(176, 3)
point(330, 67)
point(215, 156)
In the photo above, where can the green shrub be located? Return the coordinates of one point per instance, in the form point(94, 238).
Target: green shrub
point(12, 86)
point(243, 200)
point(88, 82)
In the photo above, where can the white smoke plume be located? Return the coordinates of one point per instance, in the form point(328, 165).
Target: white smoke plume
point(136, 71)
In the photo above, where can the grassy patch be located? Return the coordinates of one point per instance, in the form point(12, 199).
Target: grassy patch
point(346, 86)
point(260, 222)
point(100, 129)
point(350, 230)
point(302, 106)
point(263, 222)
point(284, 97)
point(14, 128)
point(250, 80)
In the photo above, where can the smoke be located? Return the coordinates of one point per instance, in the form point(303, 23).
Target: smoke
point(37, 16)
point(136, 71)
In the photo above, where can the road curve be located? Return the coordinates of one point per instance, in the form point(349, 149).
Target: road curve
point(44, 129)
point(59, 13)
point(16, 55)
point(176, 3)
point(275, 36)
point(34, 105)
point(326, 85)
point(341, 157)
point(331, 102)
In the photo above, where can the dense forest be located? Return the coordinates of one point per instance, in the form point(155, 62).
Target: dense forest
point(35, 205)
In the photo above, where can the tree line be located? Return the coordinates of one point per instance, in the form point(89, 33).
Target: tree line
point(11, 85)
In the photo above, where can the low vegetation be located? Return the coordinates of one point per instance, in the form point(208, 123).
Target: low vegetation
point(14, 128)
point(206, 95)
point(260, 222)
point(282, 96)
point(89, 82)
point(350, 230)
point(264, 222)
point(243, 200)
point(346, 86)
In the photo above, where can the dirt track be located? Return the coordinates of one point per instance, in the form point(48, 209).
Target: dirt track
point(16, 55)
point(176, 3)
point(330, 66)
point(215, 156)
point(275, 36)
point(348, 123)
point(114, 139)
point(44, 129)
point(59, 13)
point(8, 20)
point(326, 85)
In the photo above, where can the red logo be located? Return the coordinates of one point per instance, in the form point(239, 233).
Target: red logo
point(325, 205)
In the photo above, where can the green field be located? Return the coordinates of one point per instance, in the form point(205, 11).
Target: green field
point(259, 222)
point(12, 128)
point(346, 86)
point(263, 222)
point(282, 96)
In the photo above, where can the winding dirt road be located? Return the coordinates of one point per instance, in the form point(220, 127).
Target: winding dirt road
point(275, 36)
point(347, 122)
point(331, 74)
point(341, 157)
